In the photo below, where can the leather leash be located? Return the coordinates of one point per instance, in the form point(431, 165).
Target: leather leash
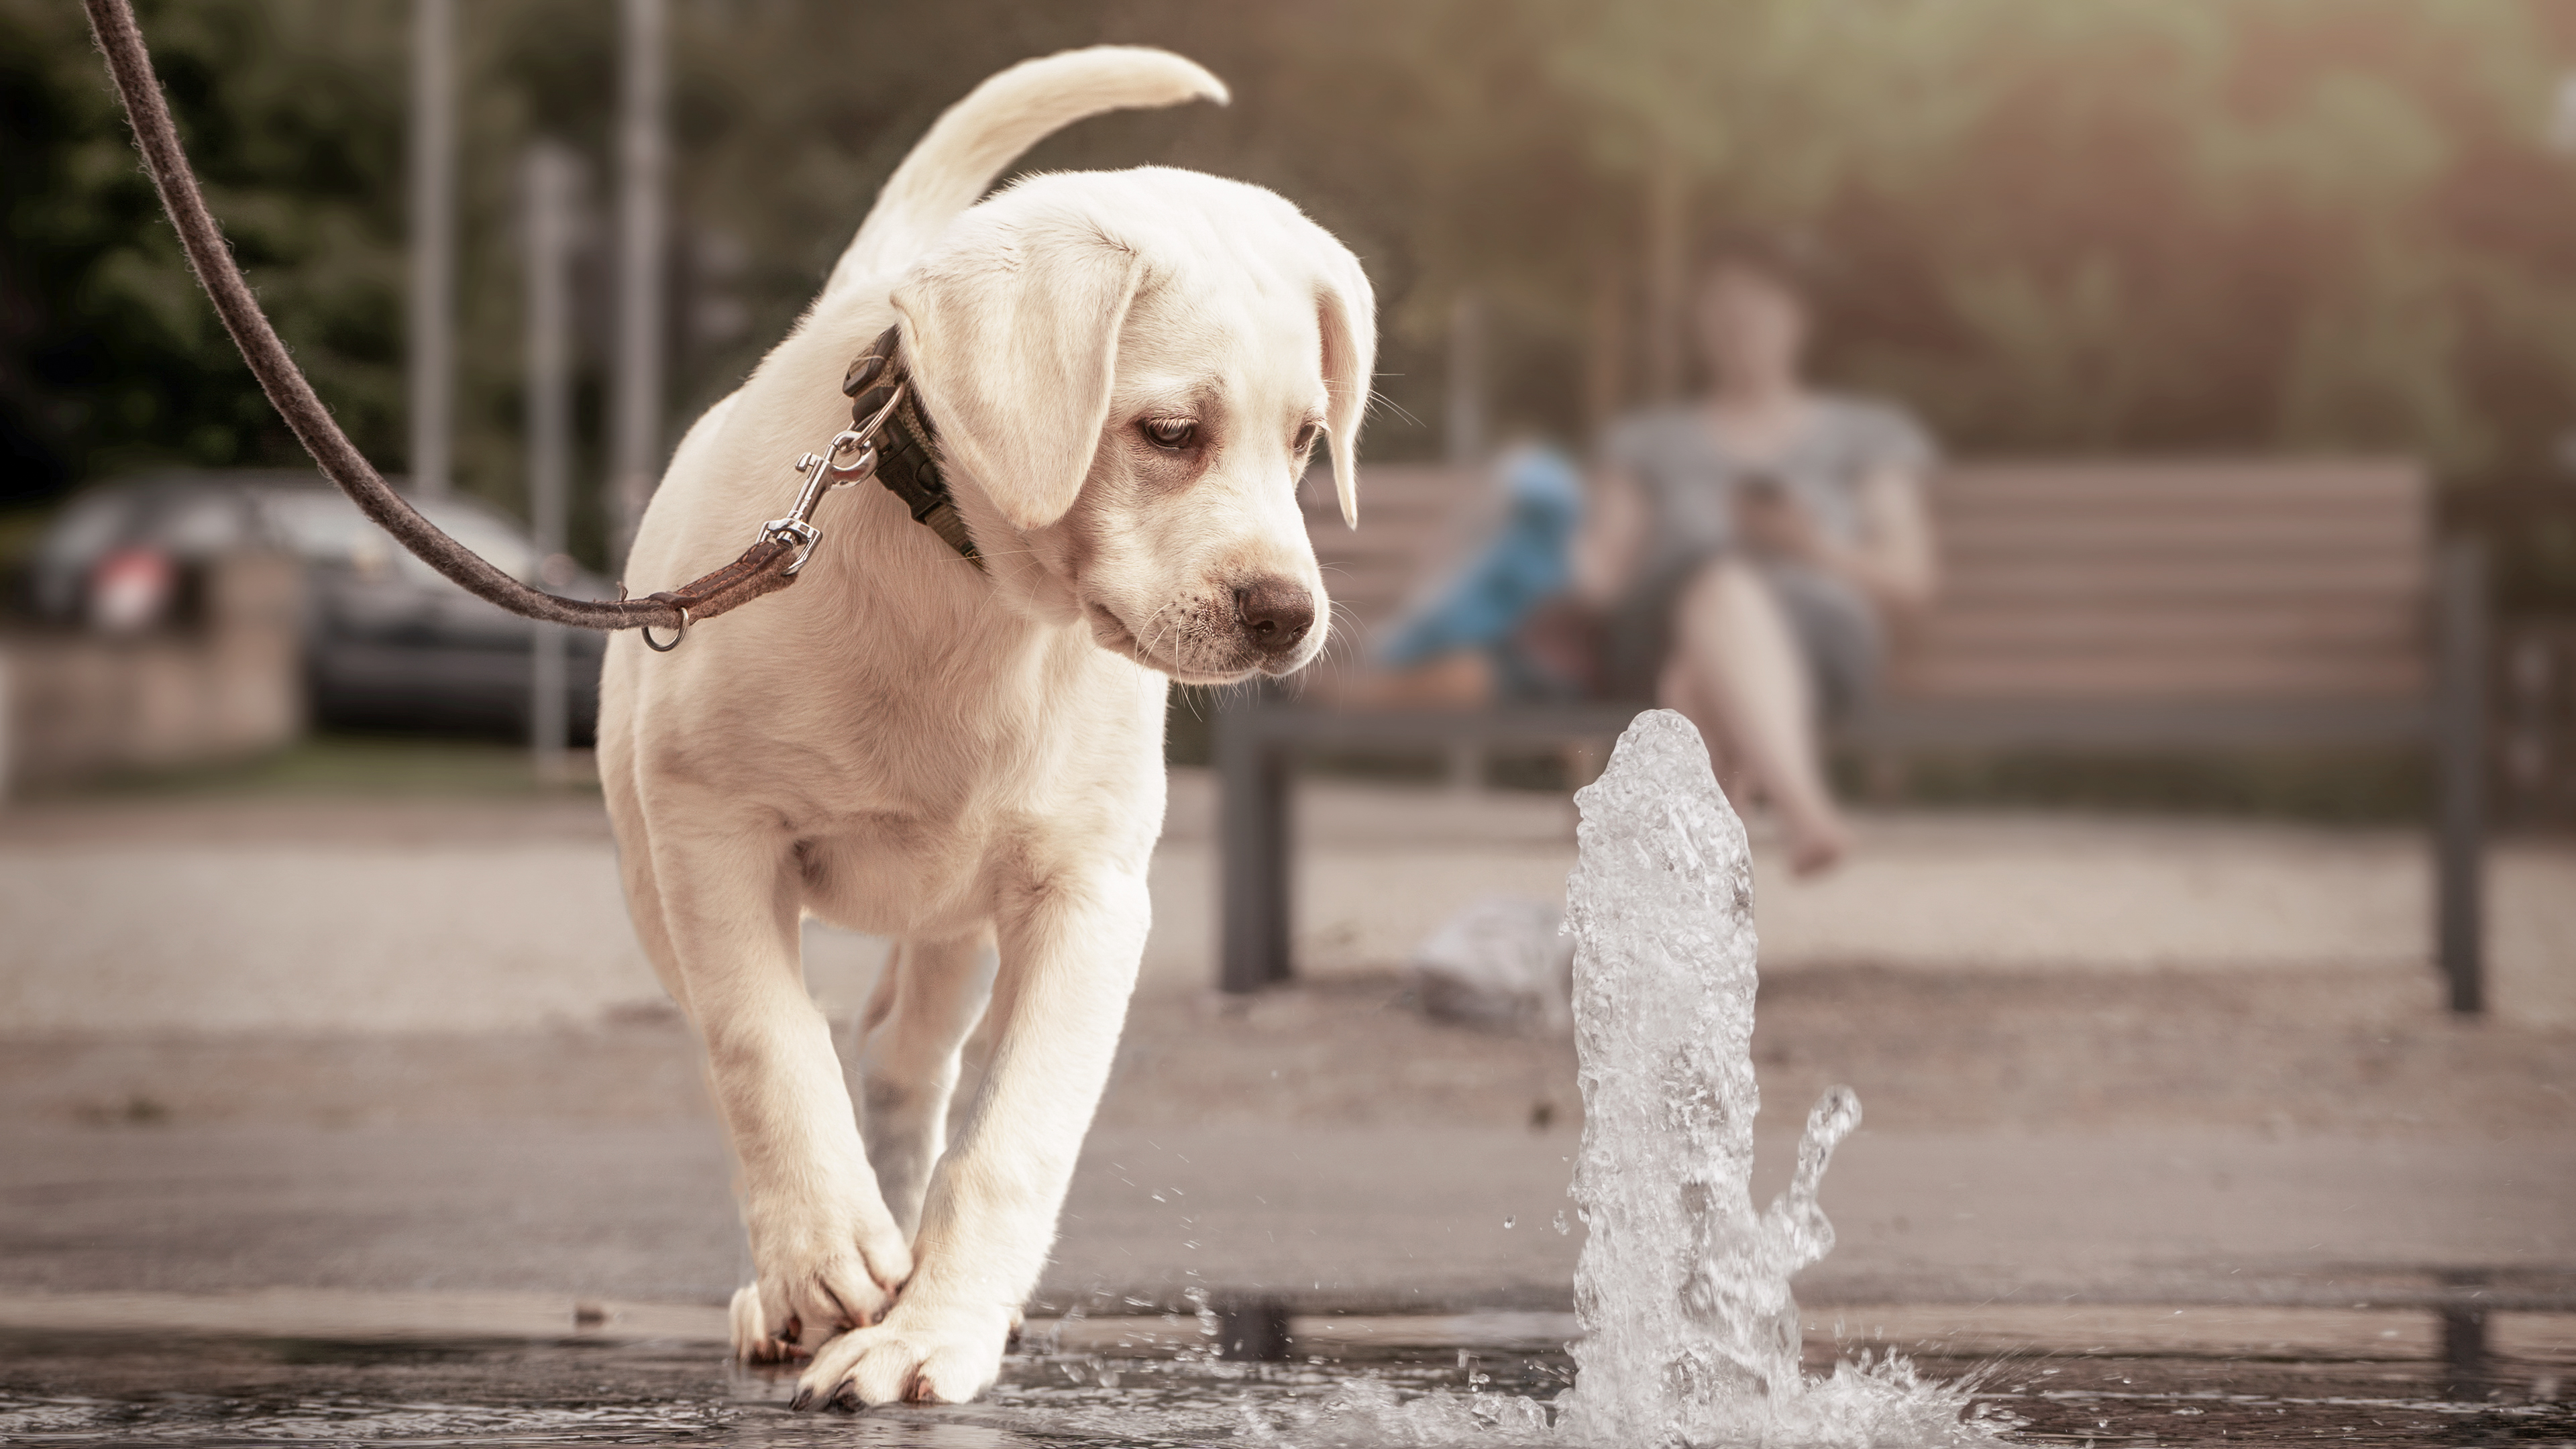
point(770, 564)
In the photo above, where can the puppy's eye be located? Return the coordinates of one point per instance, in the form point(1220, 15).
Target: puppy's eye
point(1306, 437)
point(1173, 433)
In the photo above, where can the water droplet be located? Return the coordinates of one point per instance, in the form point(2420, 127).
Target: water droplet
point(1562, 1226)
point(1508, 1221)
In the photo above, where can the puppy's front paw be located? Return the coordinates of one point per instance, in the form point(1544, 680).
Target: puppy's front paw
point(820, 1273)
point(919, 1355)
point(755, 1338)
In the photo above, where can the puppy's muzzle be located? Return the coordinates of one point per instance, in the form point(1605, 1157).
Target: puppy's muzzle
point(1273, 614)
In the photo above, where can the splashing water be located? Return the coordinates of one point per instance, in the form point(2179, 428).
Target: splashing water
point(1690, 1335)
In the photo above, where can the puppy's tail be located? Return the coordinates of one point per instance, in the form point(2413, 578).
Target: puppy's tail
point(1010, 112)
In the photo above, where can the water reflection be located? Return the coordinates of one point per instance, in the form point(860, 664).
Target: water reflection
point(1148, 1382)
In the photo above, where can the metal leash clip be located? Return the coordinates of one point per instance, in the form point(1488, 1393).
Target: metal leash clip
point(823, 472)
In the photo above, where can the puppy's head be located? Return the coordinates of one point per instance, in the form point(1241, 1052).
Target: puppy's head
point(1128, 373)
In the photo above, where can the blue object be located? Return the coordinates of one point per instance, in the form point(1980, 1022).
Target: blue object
point(1529, 560)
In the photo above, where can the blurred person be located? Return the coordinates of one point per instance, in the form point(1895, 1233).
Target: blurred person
point(1463, 643)
point(1751, 546)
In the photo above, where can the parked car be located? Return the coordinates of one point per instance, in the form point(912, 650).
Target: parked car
point(388, 643)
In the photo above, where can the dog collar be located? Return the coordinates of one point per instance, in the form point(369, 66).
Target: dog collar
point(907, 458)
point(888, 438)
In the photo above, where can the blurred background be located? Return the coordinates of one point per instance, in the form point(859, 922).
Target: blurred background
point(2137, 229)
point(2246, 328)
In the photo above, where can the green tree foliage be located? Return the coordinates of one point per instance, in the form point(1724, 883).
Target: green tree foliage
point(2250, 223)
point(2119, 224)
point(108, 355)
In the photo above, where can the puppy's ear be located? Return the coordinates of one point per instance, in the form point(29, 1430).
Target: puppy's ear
point(1349, 313)
point(1013, 346)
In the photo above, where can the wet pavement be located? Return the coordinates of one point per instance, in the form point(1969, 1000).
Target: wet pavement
point(1160, 1381)
point(1378, 1218)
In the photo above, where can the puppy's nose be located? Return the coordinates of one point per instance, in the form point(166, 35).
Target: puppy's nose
point(1274, 614)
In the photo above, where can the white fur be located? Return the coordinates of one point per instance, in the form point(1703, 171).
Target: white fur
point(905, 746)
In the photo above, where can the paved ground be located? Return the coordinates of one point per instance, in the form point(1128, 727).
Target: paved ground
point(1374, 1219)
point(325, 916)
point(322, 1046)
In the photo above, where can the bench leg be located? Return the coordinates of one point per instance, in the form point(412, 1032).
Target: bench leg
point(1466, 766)
point(1252, 842)
point(2459, 744)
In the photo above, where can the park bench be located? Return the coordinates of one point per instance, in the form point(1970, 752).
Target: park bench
point(2090, 606)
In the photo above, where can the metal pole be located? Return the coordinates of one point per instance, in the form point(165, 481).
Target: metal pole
point(1466, 380)
point(2459, 739)
point(1254, 847)
point(1667, 270)
point(643, 164)
point(547, 178)
point(1605, 353)
point(9, 741)
point(433, 241)
point(1466, 447)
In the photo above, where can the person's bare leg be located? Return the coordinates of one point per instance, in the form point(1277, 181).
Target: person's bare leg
point(1679, 689)
point(1737, 674)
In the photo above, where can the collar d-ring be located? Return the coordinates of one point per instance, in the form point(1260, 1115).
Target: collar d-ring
point(656, 645)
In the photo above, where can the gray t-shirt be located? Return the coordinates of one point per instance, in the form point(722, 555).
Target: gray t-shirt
point(1687, 479)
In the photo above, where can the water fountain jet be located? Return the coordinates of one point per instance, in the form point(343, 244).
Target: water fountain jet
point(1690, 1334)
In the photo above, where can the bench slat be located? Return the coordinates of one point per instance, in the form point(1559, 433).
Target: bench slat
point(2368, 623)
point(2146, 537)
point(2136, 724)
point(2367, 676)
point(2032, 582)
point(2330, 482)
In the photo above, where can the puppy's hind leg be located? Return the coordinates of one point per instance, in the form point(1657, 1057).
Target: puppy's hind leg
point(926, 1001)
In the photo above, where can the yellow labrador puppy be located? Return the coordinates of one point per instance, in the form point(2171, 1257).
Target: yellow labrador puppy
point(960, 743)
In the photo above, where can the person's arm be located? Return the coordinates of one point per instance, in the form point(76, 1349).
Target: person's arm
point(1897, 563)
point(1893, 562)
point(1605, 549)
